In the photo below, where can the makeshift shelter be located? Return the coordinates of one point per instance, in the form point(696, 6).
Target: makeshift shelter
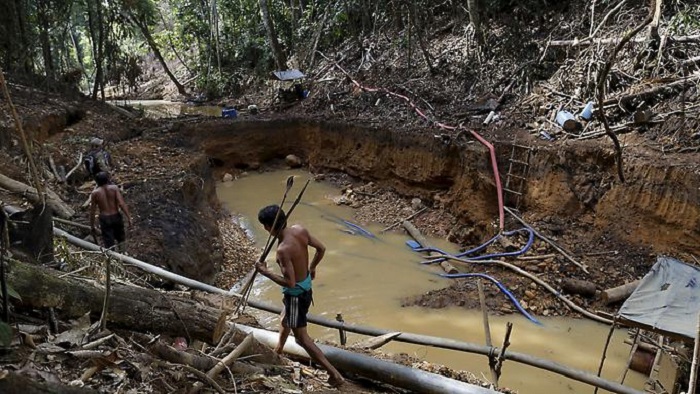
point(295, 89)
point(666, 300)
point(665, 303)
point(288, 75)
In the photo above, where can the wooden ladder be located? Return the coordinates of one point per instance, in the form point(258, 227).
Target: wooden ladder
point(518, 166)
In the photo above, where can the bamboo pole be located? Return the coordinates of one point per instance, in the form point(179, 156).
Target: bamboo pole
point(633, 349)
point(25, 143)
point(398, 222)
point(487, 331)
point(549, 241)
point(605, 350)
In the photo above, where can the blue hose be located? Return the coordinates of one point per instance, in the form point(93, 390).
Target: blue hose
point(355, 228)
point(359, 229)
point(528, 245)
point(503, 289)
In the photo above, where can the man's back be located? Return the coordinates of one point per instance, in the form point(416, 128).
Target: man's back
point(295, 246)
point(107, 199)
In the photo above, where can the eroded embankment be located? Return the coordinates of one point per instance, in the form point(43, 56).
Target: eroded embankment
point(659, 206)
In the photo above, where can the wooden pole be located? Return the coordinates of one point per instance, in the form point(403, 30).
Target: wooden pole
point(487, 331)
point(605, 350)
point(502, 355)
point(415, 234)
point(633, 349)
point(4, 247)
point(25, 143)
point(108, 288)
point(398, 222)
point(694, 366)
point(228, 360)
point(549, 241)
point(343, 336)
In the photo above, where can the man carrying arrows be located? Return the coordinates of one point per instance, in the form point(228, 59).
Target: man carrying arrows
point(297, 273)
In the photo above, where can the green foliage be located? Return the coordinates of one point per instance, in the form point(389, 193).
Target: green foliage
point(220, 84)
point(686, 20)
point(6, 334)
point(12, 293)
point(62, 253)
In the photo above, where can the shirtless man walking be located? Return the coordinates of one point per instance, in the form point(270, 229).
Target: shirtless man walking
point(297, 273)
point(108, 198)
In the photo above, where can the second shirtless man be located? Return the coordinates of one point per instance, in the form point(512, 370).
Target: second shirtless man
point(109, 200)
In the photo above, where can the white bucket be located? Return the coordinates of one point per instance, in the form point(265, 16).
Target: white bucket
point(587, 112)
point(566, 120)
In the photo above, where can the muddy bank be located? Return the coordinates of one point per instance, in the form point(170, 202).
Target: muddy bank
point(167, 186)
point(575, 182)
point(570, 194)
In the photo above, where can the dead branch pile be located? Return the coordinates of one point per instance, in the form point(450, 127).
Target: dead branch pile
point(651, 88)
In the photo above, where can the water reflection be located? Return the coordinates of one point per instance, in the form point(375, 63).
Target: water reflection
point(160, 109)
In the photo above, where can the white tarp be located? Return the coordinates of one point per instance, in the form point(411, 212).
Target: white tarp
point(667, 298)
point(288, 75)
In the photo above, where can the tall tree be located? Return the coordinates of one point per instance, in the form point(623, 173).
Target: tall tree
point(44, 19)
point(475, 20)
point(139, 16)
point(280, 57)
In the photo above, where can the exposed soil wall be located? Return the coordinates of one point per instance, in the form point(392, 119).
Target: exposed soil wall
point(659, 206)
point(167, 187)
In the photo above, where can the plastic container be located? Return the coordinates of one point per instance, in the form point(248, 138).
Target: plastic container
point(566, 120)
point(229, 113)
point(587, 112)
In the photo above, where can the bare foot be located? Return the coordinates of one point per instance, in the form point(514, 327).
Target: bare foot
point(336, 381)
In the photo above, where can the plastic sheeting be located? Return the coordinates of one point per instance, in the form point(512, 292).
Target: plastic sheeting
point(288, 75)
point(666, 299)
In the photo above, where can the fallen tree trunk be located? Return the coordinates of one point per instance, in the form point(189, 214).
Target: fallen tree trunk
point(16, 383)
point(615, 40)
point(131, 307)
point(415, 234)
point(59, 207)
point(620, 293)
point(655, 90)
point(576, 286)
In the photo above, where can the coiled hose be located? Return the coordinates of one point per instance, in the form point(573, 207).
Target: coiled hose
point(525, 248)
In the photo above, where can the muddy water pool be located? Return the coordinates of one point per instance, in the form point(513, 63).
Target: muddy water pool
point(365, 279)
point(160, 109)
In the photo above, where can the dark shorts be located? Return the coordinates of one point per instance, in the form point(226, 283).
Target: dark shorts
point(296, 308)
point(112, 227)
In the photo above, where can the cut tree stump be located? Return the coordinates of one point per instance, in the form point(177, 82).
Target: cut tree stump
point(620, 293)
point(576, 286)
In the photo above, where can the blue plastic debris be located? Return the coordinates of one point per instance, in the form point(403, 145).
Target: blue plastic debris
point(229, 113)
